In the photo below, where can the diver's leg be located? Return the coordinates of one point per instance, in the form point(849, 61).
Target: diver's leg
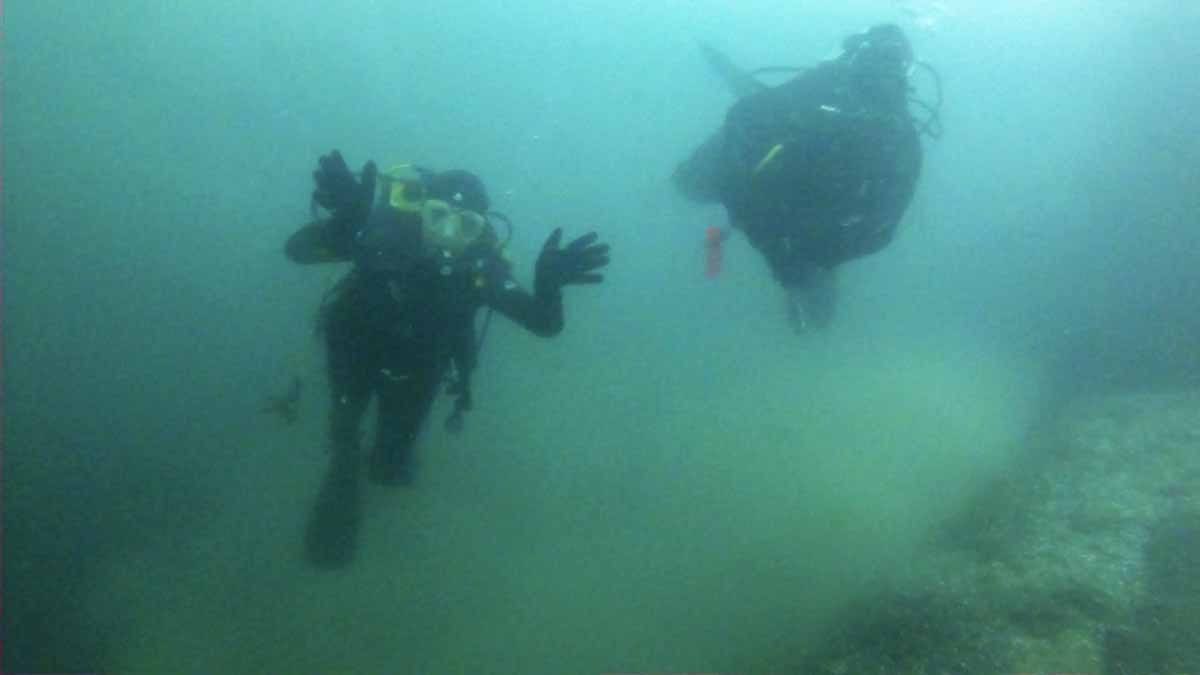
point(352, 350)
point(405, 399)
point(809, 288)
point(789, 270)
point(811, 297)
point(822, 296)
point(337, 513)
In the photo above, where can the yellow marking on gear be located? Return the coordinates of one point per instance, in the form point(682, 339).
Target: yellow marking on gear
point(768, 158)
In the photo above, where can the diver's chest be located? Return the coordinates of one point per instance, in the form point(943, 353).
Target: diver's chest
point(423, 306)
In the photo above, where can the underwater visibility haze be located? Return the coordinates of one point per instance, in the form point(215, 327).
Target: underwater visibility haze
point(676, 482)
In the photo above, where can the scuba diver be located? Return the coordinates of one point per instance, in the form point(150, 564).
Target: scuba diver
point(426, 256)
point(818, 170)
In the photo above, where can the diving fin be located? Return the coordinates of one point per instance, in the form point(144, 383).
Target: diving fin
point(739, 81)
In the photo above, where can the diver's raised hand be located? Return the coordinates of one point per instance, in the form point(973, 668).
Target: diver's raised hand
point(575, 264)
point(339, 192)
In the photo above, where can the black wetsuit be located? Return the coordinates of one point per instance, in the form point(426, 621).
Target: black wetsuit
point(393, 330)
point(844, 170)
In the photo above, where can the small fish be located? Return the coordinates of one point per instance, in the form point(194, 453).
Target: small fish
point(286, 405)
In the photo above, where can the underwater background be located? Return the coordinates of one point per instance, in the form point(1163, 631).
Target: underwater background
point(989, 463)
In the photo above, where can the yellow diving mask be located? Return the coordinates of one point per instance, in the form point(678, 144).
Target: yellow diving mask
point(444, 226)
point(406, 188)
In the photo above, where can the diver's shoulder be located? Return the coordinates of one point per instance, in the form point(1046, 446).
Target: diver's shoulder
point(821, 83)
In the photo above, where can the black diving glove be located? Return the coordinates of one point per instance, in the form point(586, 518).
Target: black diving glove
point(339, 192)
point(575, 264)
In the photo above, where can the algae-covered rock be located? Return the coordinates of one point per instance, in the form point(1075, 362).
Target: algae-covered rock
point(1082, 558)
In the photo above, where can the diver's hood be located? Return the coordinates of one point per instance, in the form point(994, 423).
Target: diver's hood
point(879, 47)
point(459, 188)
point(878, 61)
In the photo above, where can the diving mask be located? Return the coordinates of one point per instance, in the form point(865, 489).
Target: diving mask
point(445, 225)
point(450, 228)
point(405, 188)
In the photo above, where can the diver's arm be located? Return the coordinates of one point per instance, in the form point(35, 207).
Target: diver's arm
point(540, 314)
point(347, 198)
point(318, 242)
point(575, 263)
